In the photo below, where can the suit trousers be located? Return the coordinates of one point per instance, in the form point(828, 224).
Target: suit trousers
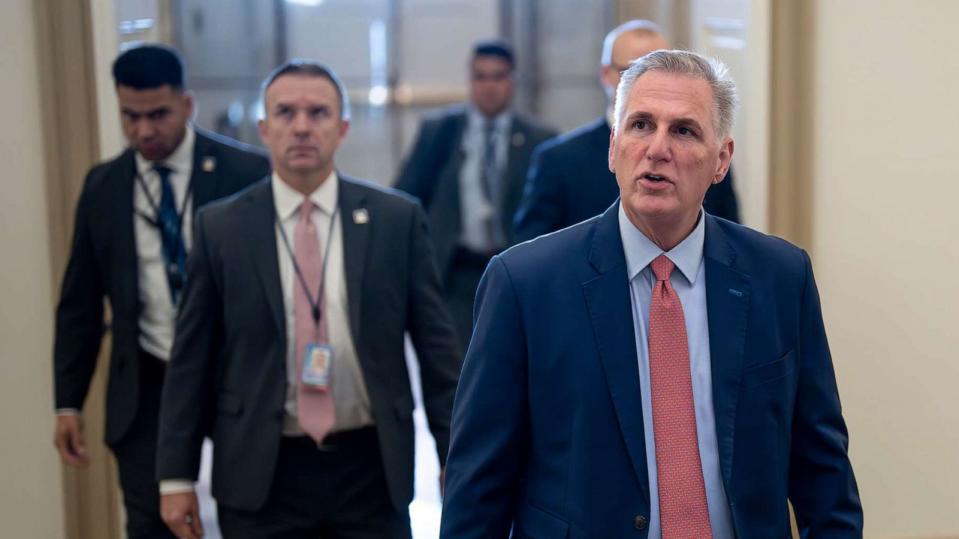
point(334, 491)
point(466, 270)
point(136, 456)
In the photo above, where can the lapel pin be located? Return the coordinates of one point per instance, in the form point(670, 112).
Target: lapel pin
point(209, 164)
point(518, 139)
point(735, 292)
point(361, 216)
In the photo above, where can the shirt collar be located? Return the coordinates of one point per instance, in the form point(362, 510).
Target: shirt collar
point(641, 251)
point(180, 161)
point(501, 121)
point(288, 200)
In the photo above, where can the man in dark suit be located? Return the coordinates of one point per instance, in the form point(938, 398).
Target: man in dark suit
point(130, 241)
point(468, 166)
point(289, 345)
point(598, 399)
point(569, 181)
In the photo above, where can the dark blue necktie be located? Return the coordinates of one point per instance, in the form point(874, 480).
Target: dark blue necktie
point(174, 252)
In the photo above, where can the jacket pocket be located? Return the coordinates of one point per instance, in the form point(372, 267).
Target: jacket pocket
point(758, 375)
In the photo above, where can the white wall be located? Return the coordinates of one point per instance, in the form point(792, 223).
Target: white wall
point(31, 497)
point(885, 191)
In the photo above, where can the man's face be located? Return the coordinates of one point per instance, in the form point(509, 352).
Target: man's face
point(491, 84)
point(302, 127)
point(667, 151)
point(154, 120)
point(628, 47)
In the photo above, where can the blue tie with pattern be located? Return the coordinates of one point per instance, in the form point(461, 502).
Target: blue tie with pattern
point(174, 252)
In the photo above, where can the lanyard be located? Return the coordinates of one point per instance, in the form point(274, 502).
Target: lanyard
point(314, 304)
point(155, 221)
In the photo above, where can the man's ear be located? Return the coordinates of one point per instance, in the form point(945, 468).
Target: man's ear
point(725, 158)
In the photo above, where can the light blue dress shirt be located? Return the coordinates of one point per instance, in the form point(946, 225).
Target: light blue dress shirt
point(689, 282)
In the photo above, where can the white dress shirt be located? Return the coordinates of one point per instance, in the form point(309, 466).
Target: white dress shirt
point(474, 206)
point(350, 397)
point(689, 282)
point(158, 313)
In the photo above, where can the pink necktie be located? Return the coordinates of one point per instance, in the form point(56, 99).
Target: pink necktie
point(314, 408)
point(683, 511)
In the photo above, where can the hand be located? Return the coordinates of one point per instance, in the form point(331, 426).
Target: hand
point(442, 481)
point(68, 439)
point(181, 513)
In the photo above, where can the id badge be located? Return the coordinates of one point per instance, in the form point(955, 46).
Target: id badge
point(317, 366)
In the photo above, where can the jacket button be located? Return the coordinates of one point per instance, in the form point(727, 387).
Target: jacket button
point(640, 522)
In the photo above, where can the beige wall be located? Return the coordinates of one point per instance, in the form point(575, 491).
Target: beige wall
point(30, 500)
point(885, 219)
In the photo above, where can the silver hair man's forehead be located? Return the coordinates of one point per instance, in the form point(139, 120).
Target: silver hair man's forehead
point(714, 72)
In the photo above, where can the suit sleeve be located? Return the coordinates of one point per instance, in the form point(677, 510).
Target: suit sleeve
point(79, 319)
point(822, 487)
point(541, 209)
point(418, 174)
point(485, 469)
point(186, 405)
point(433, 335)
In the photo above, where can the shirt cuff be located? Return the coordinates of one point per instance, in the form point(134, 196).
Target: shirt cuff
point(175, 486)
point(67, 411)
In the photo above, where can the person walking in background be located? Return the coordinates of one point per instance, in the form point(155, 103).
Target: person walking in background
point(468, 167)
point(290, 341)
point(131, 237)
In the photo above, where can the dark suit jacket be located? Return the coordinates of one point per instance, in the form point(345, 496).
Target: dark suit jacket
point(229, 357)
point(431, 173)
point(103, 262)
point(557, 448)
point(569, 181)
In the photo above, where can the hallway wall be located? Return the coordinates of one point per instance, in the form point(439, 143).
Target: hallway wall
point(884, 192)
point(30, 500)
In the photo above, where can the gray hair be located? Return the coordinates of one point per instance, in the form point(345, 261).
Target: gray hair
point(714, 72)
point(636, 26)
point(309, 68)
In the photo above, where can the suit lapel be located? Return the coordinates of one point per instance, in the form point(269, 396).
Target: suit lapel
point(127, 270)
point(610, 310)
point(356, 222)
point(262, 242)
point(727, 307)
point(204, 176)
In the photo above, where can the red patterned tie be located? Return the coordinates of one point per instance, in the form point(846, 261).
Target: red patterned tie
point(683, 512)
point(314, 408)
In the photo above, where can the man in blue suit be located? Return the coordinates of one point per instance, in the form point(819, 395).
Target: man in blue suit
point(653, 371)
point(568, 179)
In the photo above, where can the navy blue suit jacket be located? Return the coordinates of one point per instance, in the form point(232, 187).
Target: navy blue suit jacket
point(547, 432)
point(569, 181)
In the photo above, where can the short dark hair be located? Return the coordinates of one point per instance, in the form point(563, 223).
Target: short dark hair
point(309, 68)
point(496, 48)
point(148, 66)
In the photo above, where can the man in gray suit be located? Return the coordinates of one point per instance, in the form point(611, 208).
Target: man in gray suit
point(468, 166)
point(289, 346)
